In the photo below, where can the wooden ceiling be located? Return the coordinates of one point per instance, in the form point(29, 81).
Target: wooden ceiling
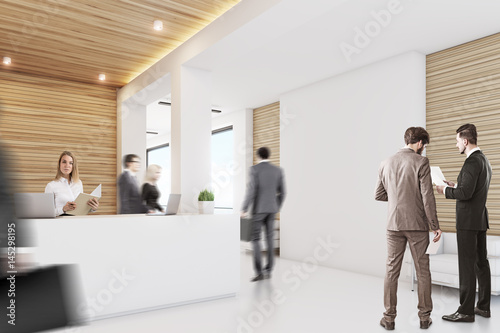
point(78, 40)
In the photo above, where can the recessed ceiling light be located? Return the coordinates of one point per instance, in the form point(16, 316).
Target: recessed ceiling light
point(158, 25)
point(102, 77)
point(7, 60)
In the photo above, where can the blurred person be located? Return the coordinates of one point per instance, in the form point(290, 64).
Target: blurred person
point(265, 193)
point(7, 219)
point(44, 297)
point(19, 235)
point(405, 182)
point(67, 185)
point(130, 196)
point(471, 192)
point(150, 192)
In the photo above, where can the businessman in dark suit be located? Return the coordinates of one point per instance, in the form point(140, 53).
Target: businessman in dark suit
point(265, 193)
point(471, 192)
point(130, 195)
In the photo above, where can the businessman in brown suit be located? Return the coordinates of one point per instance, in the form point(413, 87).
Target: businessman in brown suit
point(405, 182)
point(471, 192)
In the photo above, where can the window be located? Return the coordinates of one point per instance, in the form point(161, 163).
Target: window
point(161, 155)
point(222, 167)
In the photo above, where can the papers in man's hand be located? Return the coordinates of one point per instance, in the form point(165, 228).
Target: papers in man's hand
point(433, 246)
point(437, 176)
point(82, 208)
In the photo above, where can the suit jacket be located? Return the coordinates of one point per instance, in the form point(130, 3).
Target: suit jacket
point(130, 197)
point(266, 189)
point(405, 182)
point(471, 193)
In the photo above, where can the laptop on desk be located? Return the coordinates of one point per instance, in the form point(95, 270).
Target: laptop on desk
point(172, 206)
point(34, 205)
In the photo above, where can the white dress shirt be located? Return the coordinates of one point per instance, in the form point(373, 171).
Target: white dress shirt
point(63, 192)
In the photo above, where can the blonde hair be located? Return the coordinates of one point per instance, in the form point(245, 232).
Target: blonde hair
point(73, 176)
point(151, 171)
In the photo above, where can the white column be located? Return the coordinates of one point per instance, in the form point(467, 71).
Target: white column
point(191, 135)
point(243, 141)
point(133, 133)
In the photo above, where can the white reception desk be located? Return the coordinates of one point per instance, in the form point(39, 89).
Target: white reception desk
point(134, 263)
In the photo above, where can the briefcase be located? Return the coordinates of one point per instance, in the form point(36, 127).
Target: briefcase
point(43, 299)
point(246, 229)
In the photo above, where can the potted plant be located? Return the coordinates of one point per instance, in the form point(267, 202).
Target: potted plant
point(206, 202)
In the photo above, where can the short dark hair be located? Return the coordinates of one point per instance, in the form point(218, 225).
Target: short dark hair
point(468, 131)
point(129, 158)
point(263, 152)
point(415, 134)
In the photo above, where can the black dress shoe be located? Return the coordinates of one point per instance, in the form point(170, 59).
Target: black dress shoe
point(424, 324)
point(257, 278)
point(482, 313)
point(388, 325)
point(458, 317)
point(267, 275)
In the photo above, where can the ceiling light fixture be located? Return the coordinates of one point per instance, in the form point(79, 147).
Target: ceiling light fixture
point(158, 25)
point(7, 60)
point(102, 77)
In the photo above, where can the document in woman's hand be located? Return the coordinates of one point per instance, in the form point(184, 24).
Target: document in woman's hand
point(82, 208)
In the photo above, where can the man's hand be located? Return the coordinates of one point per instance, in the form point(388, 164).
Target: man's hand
point(243, 214)
point(440, 189)
point(449, 183)
point(437, 235)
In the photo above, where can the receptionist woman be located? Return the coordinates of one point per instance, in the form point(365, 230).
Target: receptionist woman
point(67, 185)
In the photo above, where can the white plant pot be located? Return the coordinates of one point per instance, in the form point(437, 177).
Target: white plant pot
point(206, 207)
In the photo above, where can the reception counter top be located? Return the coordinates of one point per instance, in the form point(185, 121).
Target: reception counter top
point(134, 263)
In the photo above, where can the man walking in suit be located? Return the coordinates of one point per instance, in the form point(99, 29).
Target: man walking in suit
point(405, 182)
point(471, 192)
point(130, 196)
point(265, 193)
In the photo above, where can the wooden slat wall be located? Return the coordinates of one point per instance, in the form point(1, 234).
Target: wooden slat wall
point(41, 117)
point(463, 86)
point(266, 131)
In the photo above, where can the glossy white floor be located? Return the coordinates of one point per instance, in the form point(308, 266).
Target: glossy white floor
point(299, 299)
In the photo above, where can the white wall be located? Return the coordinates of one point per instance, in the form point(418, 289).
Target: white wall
point(158, 140)
point(334, 135)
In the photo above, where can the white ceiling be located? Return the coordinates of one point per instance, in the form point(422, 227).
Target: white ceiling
point(297, 42)
point(158, 118)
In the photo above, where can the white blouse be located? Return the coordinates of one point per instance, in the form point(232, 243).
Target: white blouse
point(63, 192)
